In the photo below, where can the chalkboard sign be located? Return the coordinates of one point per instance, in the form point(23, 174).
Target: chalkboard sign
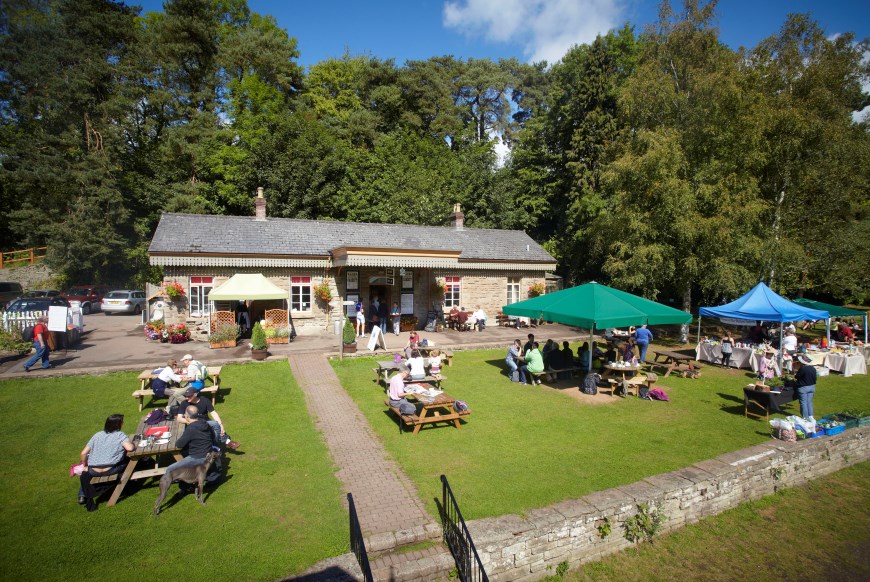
point(407, 304)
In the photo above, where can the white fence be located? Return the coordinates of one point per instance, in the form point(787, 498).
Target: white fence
point(20, 319)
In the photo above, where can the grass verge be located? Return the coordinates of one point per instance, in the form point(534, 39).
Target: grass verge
point(525, 447)
point(279, 511)
point(818, 531)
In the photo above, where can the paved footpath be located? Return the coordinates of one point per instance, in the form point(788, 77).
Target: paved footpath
point(385, 498)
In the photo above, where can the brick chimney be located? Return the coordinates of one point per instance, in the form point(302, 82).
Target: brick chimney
point(260, 205)
point(457, 218)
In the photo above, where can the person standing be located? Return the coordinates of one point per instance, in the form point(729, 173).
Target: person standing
point(40, 344)
point(360, 319)
point(396, 315)
point(384, 317)
point(727, 349)
point(643, 337)
point(805, 384)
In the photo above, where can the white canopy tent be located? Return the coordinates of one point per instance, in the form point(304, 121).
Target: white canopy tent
point(246, 286)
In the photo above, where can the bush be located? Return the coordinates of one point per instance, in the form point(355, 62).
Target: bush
point(258, 338)
point(348, 335)
point(226, 333)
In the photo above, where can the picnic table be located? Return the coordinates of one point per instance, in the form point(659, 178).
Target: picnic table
point(612, 370)
point(765, 401)
point(672, 361)
point(846, 364)
point(176, 429)
point(385, 367)
point(148, 376)
point(438, 408)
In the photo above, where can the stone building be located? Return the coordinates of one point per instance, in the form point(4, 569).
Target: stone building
point(401, 263)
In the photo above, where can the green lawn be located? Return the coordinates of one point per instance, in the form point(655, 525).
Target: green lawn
point(818, 531)
point(279, 512)
point(525, 447)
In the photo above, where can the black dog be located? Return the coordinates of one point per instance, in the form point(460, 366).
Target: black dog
point(193, 474)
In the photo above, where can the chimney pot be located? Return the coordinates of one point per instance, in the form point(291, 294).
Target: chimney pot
point(260, 205)
point(457, 218)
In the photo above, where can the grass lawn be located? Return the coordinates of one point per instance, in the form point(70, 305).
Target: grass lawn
point(819, 531)
point(525, 447)
point(279, 511)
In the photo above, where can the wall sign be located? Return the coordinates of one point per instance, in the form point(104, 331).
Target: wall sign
point(352, 281)
point(351, 309)
point(407, 304)
point(408, 279)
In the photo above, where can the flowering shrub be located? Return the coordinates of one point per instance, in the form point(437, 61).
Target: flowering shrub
point(536, 289)
point(438, 288)
point(321, 290)
point(408, 323)
point(173, 290)
point(175, 333)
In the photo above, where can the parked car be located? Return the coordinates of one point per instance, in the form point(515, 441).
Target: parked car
point(9, 290)
point(123, 301)
point(89, 296)
point(42, 293)
point(35, 304)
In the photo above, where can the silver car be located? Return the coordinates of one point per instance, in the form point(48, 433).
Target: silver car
point(123, 301)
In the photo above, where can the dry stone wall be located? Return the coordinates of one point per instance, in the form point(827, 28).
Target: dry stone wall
point(514, 548)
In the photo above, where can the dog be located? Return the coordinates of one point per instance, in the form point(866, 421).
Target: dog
point(193, 474)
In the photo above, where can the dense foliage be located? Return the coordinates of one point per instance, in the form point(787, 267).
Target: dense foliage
point(663, 163)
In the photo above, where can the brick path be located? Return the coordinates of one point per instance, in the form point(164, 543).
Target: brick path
point(385, 499)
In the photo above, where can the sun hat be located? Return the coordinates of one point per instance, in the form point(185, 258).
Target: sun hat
point(805, 359)
point(186, 357)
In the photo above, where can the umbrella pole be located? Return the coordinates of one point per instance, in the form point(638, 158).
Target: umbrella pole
point(828, 330)
point(592, 344)
point(699, 328)
point(780, 348)
point(865, 329)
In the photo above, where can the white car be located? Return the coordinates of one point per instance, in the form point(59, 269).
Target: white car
point(123, 301)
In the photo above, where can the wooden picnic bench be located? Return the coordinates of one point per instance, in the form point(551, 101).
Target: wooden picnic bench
point(437, 409)
point(675, 361)
point(446, 355)
point(382, 374)
point(147, 376)
point(556, 371)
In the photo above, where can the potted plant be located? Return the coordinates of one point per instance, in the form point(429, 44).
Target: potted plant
point(408, 323)
point(225, 336)
point(348, 337)
point(259, 347)
point(438, 288)
point(277, 335)
point(173, 290)
point(536, 289)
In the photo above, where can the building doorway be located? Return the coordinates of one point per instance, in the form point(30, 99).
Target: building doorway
point(384, 295)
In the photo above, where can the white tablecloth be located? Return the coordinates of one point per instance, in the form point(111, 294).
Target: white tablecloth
point(713, 353)
point(845, 364)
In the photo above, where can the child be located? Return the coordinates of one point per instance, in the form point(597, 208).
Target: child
point(360, 320)
point(767, 367)
point(435, 364)
point(396, 314)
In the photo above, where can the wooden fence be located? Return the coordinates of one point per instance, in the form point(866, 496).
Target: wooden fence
point(23, 257)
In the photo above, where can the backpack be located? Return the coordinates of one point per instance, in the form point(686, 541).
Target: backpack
point(658, 394)
point(590, 383)
point(27, 334)
point(460, 406)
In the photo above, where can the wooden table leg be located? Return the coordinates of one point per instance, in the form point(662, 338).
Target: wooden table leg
point(131, 467)
point(671, 367)
point(423, 414)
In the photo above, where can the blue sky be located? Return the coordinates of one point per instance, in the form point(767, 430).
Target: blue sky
point(529, 30)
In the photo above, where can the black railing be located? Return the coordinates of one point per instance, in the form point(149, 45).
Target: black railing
point(458, 539)
point(357, 544)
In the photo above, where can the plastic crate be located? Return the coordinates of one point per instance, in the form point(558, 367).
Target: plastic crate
point(834, 430)
point(817, 434)
point(848, 420)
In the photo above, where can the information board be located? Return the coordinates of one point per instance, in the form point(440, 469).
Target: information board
point(407, 304)
point(57, 315)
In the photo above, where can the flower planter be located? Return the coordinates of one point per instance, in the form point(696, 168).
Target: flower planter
point(259, 354)
point(350, 348)
point(407, 326)
point(223, 344)
point(277, 340)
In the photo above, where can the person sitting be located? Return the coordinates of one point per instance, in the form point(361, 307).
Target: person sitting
point(196, 373)
point(196, 442)
point(480, 317)
point(611, 353)
point(845, 332)
point(413, 344)
point(462, 320)
point(168, 381)
point(435, 364)
point(566, 360)
point(397, 394)
point(583, 356)
point(627, 352)
point(205, 410)
point(417, 365)
point(453, 318)
point(105, 454)
point(534, 362)
point(513, 359)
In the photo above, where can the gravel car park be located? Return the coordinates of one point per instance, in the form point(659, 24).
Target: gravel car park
point(123, 301)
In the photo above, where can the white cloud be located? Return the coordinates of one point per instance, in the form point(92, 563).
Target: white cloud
point(545, 28)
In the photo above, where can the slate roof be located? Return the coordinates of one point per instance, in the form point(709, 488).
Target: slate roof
point(244, 235)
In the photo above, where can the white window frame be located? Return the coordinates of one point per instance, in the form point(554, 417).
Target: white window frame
point(513, 290)
point(197, 292)
point(300, 286)
point(452, 298)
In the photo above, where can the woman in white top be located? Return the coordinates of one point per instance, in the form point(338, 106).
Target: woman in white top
point(417, 365)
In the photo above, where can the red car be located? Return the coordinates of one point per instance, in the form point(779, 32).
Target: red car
point(89, 296)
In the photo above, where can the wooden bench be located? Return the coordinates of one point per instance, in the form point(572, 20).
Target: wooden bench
point(503, 320)
point(446, 355)
point(555, 371)
point(146, 377)
point(417, 421)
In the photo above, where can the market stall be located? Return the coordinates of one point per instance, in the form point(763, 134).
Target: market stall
point(835, 311)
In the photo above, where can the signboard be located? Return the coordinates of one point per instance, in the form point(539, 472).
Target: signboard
point(57, 315)
point(352, 298)
point(408, 279)
point(407, 305)
point(352, 281)
point(376, 340)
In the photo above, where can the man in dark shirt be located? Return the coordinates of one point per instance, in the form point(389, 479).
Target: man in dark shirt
point(205, 410)
point(805, 384)
point(196, 441)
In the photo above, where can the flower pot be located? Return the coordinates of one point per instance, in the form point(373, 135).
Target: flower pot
point(350, 348)
point(259, 354)
point(223, 344)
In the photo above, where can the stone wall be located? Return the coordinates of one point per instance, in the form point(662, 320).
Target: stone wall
point(521, 548)
point(37, 276)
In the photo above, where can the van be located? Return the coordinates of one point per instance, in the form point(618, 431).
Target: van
point(9, 290)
